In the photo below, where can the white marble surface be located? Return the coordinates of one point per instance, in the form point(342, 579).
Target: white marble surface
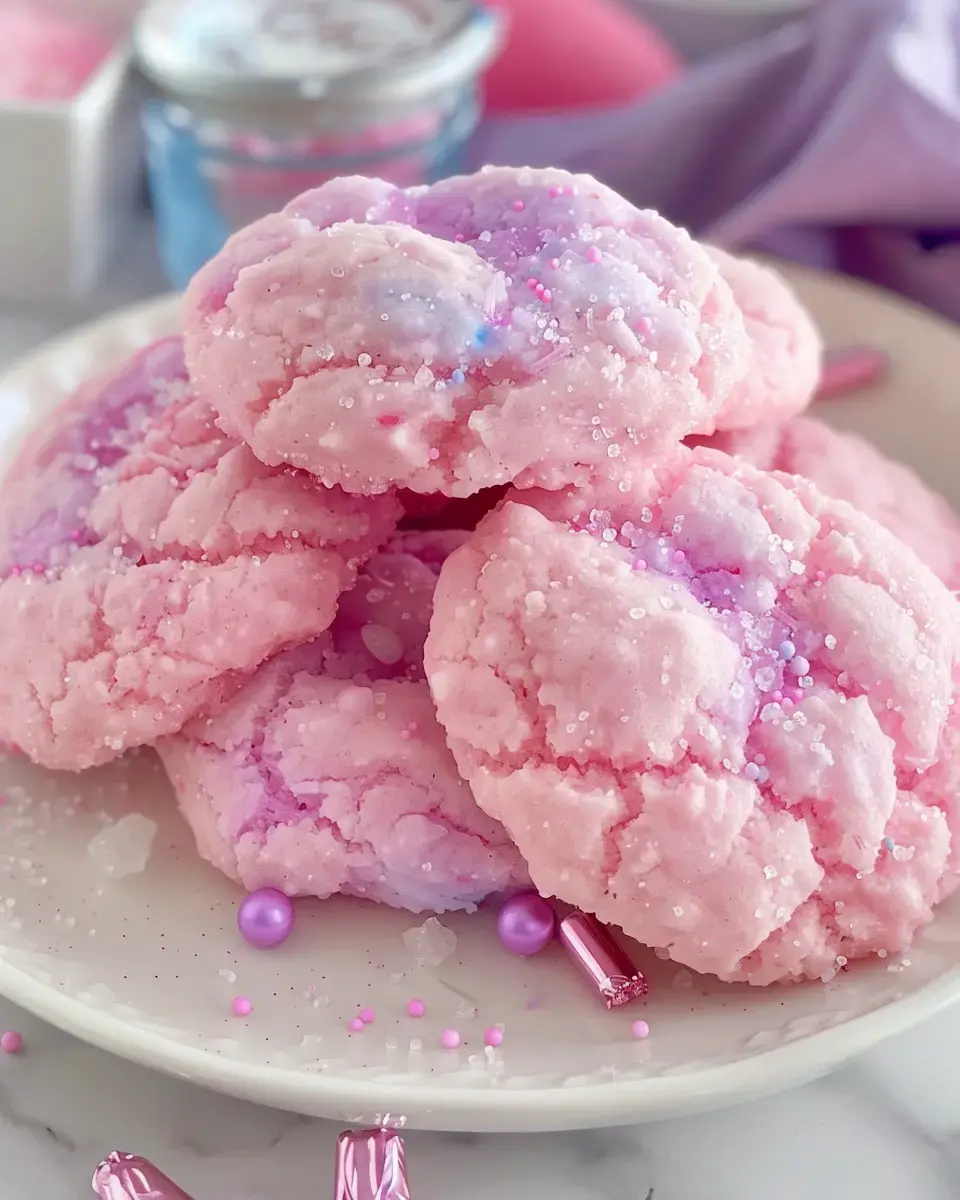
point(886, 1129)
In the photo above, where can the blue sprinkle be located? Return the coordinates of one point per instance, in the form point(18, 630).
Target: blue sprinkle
point(786, 650)
point(458, 376)
point(888, 843)
point(483, 335)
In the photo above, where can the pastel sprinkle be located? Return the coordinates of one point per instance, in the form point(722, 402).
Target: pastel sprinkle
point(594, 254)
point(367, 1016)
point(458, 376)
point(640, 1030)
point(11, 1042)
point(416, 1008)
point(493, 1037)
point(800, 666)
point(241, 1007)
point(889, 843)
point(555, 263)
point(450, 1039)
point(787, 650)
point(518, 206)
point(355, 1025)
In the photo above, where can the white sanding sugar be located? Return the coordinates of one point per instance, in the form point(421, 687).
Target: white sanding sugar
point(430, 943)
point(123, 847)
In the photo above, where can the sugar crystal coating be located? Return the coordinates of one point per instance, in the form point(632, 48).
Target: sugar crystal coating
point(512, 326)
point(609, 672)
point(785, 347)
point(148, 563)
point(847, 467)
point(329, 772)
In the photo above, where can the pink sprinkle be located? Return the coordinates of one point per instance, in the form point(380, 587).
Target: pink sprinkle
point(555, 263)
point(594, 255)
point(241, 1007)
point(367, 1016)
point(641, 564)
point(555, 192)
point(11, 1042)
point(546, 295)
point(38, 568)
point(416, 1008)
point(518, 206)
point(679, 556)
point(777, 696)
point(433, 454)
point(449, 1039)
point(641, 1030)
point(458, 237)
point(493, 1037)
point(533, 283)
point(356, 1025)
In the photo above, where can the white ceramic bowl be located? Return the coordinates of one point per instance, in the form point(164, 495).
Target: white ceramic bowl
point(147, 966)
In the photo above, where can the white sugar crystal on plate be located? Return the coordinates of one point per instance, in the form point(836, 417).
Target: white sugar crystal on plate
point(430, 943)
point(123, 847)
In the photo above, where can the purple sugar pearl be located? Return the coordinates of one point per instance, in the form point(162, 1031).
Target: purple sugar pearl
point(526, 923)
point(265, 918)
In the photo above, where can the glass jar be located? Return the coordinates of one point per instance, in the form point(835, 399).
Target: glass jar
point(255, 101)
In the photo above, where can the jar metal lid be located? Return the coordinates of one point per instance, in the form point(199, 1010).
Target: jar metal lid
point(280, 55)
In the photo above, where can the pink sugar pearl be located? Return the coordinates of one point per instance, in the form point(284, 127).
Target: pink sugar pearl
point(265, 917)
point(493, 1037)
point(416, 1008)
point(367, 1016)
point(450, 1039)
point(11, 1042)
point(241, 1007)
point(640, 1030)
point(356, 1025)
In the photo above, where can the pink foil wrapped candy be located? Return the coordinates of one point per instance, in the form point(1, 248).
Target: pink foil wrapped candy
point(371, 1165)
point(124, 1176)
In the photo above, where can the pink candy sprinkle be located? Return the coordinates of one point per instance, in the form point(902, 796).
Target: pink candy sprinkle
point(449, 1039)
point(493, 1037)
point(241, 1007)
point(594, 254)
point(518, 206)
point(555, 263)
point(11, 1042)
point(555, 192)
point(640, 1030)
point(356, 1025)
point(416, 1008)
point(367, 1016)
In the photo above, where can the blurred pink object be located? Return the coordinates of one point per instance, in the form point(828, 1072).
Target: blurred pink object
point(851, 370)
point(46, 55)
point(569, 54)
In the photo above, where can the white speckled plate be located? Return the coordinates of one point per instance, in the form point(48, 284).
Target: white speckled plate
point(147, 966)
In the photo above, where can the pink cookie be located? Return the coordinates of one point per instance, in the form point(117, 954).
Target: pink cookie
point(848, 468)
point(329, 773)
point(787, 350)
point(705, 711)
point(148, 563)
point(515, 325)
